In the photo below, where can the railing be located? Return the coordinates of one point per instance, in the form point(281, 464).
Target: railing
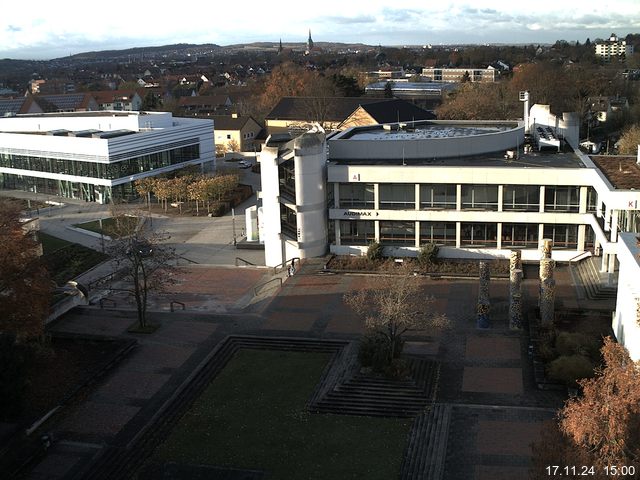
point(580, 256)
point(175, 302)
point(285, 263)
point(257, 289)
point(246, 262)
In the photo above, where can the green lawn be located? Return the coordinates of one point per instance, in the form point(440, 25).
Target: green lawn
point(66, 260)
point(253, 416)
point(108, 225)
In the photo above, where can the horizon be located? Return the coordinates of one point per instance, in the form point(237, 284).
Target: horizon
point(47, 32)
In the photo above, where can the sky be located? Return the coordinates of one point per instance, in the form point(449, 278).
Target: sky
point(43, 29)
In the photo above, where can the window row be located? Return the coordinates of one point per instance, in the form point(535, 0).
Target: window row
point(525, 198)
point(111, 171)
point(472, 234)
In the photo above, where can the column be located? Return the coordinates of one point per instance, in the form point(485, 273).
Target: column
point(336, 195)
point(483, 305)
point(376, 198)
point(583, 200)
point(542, 192)
point(499, 236)
point(500, 197)
point(417, 196)
point(336, 229)
point(458, 197)
point(582, 232)
point(458, 234)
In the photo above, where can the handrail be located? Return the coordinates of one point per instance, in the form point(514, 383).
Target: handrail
point(578, 257)
point(177, 303)
point(277, 279)
point(294, 259)
point(247, 262)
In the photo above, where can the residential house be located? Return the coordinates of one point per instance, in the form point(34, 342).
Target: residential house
point(603, 107)
point(332, 112)
point(385, 111)
point(120, 100)
point(77, 102)
point(204, 105)
point(235, 133)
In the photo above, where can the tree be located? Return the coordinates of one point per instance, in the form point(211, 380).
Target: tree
point(394, 303)
point(143, 260)
point(388, 90)
point(25, 286)
point(629, 141)
point(602, 426)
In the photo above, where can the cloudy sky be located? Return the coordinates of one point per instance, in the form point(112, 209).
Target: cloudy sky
point(43, 29)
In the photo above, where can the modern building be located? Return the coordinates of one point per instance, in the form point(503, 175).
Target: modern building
point(477, 189)
point(96, 156)
point(626, 326)
point(424, 94)
point(457, 75)
point(613, 48)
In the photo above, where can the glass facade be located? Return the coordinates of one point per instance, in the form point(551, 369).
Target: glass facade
point(438, 197)
point(562, 199)
point(288, 222)
point(286, 176)
point(520, 235)
point(357, 232)
point(522, 198)
point(356, 195)
point(110, 171)
point(397, 196)
point(398, 233)
point(479, 235)
point(564, 237)
point(440, 233)
point(479, 197)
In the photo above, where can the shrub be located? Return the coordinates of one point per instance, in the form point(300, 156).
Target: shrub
point(375, 352)
point(569, 368)
point(570, 343)
point(428, 254)
point(375, 251)
point(398, 368)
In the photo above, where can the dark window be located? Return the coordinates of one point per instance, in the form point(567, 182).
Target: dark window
point(524, 198)
point(562, 199)
point(286, 175)
point(357, 232)
point(479, 197)
point(440, 233)
point(356, 195)
point(439, 196)
point(564, 237)
point(397, 196)
point(524, 235)
point(479, 235)
point(397, 233)
point(288, 222)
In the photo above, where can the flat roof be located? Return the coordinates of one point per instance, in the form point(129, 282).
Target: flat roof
point(429, 130)
point(543, 159)
point(622, 172)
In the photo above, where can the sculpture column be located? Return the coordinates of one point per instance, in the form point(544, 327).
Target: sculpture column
point(484, 305)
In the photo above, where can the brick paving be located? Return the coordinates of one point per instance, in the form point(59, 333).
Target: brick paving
point(485, 374)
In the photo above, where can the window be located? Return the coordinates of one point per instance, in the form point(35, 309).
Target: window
point(523, 235)
point(357, 232)
point(564, 237)
point(523, 198)
point(228, 136)
point(397, 233)
point(479, 235)
point(356, 195)
point(562, 199)
point(397, 196)
point(439, 196)
point(440, 233)
point(288, 222)
point(286, 175)
point(479, 197)
point(592, 200)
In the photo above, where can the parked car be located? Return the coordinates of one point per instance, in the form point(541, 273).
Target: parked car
point(244, 164)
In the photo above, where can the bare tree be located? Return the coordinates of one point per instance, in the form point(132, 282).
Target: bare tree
point(394, 303)
point(139, 254)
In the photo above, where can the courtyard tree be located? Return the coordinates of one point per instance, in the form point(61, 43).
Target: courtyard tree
point(392, 304)
point(25, 286)
point(601, 427)
point(142, 260)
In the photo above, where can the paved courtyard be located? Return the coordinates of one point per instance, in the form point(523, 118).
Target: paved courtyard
point(485, 374)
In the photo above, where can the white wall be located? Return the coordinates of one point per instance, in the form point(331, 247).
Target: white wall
point(625, 318)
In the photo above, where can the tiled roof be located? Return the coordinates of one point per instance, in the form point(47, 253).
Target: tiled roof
point(623, 172)
point(213, 100)
point(11, 106)
point(336, 109)
point(109, 96)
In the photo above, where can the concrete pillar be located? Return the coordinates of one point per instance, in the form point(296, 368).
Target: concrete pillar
point(376, 198)
point(542, 190)
point(499, 236)
point(337, 230)
point(500, 197)
point(582, 232)
point(583, 200)
point(417, 196)
point(458, 234)
point(458, 197)
point(483, 306)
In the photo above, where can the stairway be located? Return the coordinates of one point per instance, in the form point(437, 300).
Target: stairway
point(426, 450)
point(592, 281)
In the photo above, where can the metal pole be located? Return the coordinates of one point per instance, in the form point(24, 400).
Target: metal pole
point(233, 224)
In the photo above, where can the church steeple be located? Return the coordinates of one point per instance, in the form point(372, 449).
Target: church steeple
point(309, 43)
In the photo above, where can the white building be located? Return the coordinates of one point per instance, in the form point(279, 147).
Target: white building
point(456, 75)
point(626, 326)
point(613, 47)
point(477, 189)
point(98, 155)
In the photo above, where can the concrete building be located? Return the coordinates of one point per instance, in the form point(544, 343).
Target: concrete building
point(626, 326)
point(477, 189)
point(457, 75)
point(97, 156)
point(613, 48)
